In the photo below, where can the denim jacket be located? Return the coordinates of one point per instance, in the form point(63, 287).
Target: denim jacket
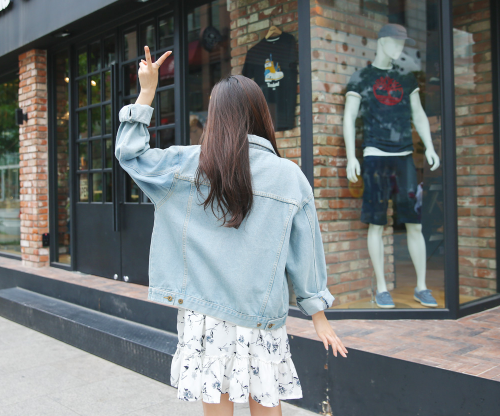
point(239, 275)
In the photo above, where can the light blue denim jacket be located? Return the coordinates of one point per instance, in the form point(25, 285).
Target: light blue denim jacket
point(239, 275)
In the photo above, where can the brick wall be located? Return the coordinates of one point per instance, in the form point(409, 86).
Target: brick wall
point(474, 131)
point(33, 157)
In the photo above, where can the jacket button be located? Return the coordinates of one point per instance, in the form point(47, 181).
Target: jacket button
point(270, 325)
point(259, 324)
point(180, 301)
point(169, 298)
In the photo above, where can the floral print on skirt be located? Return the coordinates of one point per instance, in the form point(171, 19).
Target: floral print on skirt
point(214, 357)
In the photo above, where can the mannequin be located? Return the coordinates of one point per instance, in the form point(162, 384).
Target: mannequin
point(388, 49)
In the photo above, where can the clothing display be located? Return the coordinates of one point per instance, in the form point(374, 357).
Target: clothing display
point(385, 177)
point(272, 63)
point(215, 357)
point(385, 107)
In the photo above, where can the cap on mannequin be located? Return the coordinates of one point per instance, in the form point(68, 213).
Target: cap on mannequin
point(390, 44)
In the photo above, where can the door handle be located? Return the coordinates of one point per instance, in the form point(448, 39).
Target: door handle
point(115, 124)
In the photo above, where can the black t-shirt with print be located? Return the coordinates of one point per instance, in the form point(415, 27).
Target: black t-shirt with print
point(272, 63)
point(385, 107)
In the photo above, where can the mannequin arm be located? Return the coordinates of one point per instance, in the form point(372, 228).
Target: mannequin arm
point(421, 123)
point(352, 103)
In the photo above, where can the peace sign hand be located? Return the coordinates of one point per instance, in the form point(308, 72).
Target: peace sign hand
point(148, 71)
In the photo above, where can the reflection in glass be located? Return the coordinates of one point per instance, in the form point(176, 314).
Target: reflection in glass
point(167, 138)
point(109, 51)
point(152, 139)
point(148, 36)
point(61, 67)
point(130, 45)
point(96, 154)
point(109, 153)
point(95, 88)
point(10, 224)
point(167, 107)
point(107, 115)
point(83, 156)
point(166, 31)
point(82, 60)
point(109, 186)
point(131, 190)
point(82, 92)
point(474, 111)
point(97, 187)
point(107, 85)
point(95, 56)
point(83, 180)
point(96, 121)
point(83, 129)
point(130, 78)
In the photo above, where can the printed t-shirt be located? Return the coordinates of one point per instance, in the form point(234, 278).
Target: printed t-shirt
point(385, 107)
point(272, 63)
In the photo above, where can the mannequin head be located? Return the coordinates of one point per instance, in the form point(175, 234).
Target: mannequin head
point(390, 47)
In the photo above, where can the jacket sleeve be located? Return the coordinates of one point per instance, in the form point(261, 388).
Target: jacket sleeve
point(306, 265)
point(152, 169)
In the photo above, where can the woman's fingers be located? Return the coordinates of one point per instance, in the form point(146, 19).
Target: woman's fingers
point(148, 56)
point(163, 57)
point(325, 341)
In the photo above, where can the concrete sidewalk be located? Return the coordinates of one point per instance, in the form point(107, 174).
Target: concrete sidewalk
point(40, 376)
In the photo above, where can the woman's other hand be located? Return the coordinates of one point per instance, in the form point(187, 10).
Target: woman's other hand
point(327, 334)
point(148, 76)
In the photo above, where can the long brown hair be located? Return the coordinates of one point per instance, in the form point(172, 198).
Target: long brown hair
point(237, 108)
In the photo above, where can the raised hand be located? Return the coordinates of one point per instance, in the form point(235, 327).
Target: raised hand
point(148, 71)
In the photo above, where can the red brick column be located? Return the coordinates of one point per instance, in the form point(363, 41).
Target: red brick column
point(33, 157)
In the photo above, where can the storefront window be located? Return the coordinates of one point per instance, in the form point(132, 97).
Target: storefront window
point(61, 79)
point(377, 150)
point(10, 224)
point(475, 152)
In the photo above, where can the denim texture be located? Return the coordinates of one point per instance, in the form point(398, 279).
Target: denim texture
point(238, 275)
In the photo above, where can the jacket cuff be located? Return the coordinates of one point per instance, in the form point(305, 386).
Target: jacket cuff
point(136, 112)
point(319, 302)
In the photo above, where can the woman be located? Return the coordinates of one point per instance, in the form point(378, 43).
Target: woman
point(233, 223)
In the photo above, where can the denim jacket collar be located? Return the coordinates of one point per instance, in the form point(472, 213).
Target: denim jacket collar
point(260, 141)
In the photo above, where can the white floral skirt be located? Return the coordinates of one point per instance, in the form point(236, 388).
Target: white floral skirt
point(214, 357)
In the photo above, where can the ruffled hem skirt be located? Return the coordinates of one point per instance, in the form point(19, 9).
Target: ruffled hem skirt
point(215, 357)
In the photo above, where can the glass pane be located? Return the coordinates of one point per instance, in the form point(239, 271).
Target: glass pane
point(96, 121)
point(148, 37)
point(95, 145)
point(95, 88)
point(10, 223)
point(82, 93)
point(97, 187)
point(107, 85)
point(109, 153)
point(61, 67)
point(130, 45)
point(166, 31)
point(167, 138)
point(83, 129)
point(167, 107)
point(84, 187)
point(95, 56)
point(132, 190)
point(82, 60)
point(130, 78)
point(383, 229)
point(474, 111)
point(83, 156)
point(152, 139)
point(107, 115)
point(109, 51)
point(109, 186)
point(167, 71)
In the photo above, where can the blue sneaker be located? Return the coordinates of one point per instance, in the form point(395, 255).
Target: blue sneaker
point(425, 298)
point(384, 300)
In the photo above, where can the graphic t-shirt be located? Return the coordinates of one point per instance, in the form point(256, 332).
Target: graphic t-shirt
point(272, 63)
point(385, 107)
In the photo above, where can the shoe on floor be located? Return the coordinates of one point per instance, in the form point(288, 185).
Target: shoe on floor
point(384, 300)
point(425, 298)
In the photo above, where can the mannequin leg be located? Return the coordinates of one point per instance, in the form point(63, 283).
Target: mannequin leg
point(376, 252)
point(416, 247)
